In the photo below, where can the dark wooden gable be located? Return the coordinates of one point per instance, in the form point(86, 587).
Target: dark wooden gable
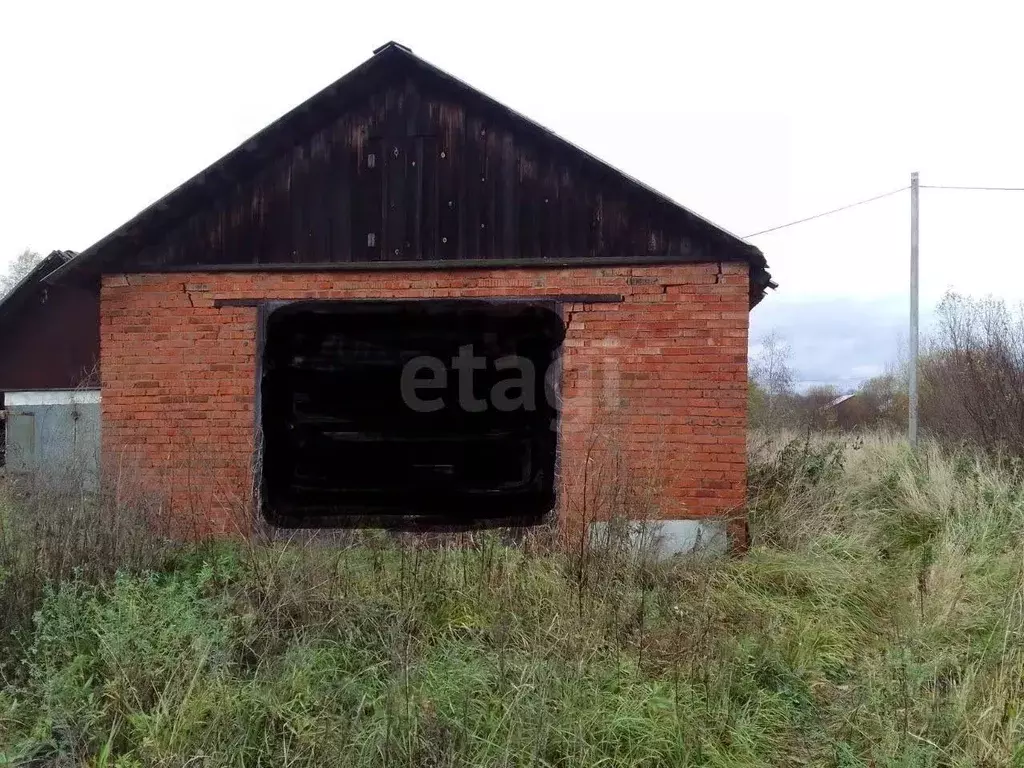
point(49, 334)
point(400, 164)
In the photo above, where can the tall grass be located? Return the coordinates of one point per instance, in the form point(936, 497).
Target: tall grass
point(877, 620)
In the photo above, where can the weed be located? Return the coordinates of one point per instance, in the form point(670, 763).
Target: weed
point(877, 620)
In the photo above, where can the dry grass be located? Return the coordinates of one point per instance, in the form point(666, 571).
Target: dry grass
point(878, 620)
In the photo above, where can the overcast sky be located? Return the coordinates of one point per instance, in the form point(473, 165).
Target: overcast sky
point(751, 114)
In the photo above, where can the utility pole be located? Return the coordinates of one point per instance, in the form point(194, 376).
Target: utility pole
point(914, 280)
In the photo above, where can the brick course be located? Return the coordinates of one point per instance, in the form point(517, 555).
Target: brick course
point(658, 381)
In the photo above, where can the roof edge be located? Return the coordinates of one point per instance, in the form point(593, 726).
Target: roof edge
point(40, 273)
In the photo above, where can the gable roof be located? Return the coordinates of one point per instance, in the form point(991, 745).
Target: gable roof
point(388, 62)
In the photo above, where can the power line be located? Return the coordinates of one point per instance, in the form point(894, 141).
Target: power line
point(828, 213)
point(880, 197)
point(982, 189)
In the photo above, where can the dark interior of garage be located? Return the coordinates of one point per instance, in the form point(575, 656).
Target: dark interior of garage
point(409, 413)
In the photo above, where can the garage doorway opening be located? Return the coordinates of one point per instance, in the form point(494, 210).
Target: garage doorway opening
point(409, 413)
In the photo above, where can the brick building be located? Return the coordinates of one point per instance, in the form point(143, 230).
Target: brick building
point(404, 303)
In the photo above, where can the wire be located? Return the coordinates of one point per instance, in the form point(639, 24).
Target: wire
point(828, 213)
point(879, 197)
point(984, 189)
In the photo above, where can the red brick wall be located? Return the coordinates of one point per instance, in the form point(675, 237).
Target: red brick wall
point(654, 387)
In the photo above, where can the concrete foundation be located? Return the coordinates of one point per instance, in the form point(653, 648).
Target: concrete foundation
point(668, 538)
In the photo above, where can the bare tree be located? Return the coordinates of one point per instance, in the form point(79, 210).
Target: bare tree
point(974, 377)
point(23, 263)
point(772, 381)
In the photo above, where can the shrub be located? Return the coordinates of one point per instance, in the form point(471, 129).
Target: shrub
point(64, 530)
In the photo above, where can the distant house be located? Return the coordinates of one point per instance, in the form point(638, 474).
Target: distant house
point(49, 391)
point(836, 411)
point(837, 402)
point(313, 330)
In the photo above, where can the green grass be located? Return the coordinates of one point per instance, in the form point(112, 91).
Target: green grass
point(878, 620)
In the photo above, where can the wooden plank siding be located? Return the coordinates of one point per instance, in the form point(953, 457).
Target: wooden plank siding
point(411, 173)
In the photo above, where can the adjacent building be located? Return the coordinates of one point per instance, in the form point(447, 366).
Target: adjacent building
point(49, 384)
